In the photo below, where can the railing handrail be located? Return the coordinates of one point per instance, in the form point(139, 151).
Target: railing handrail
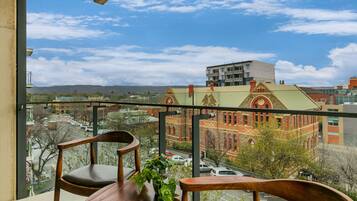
point(199, 107)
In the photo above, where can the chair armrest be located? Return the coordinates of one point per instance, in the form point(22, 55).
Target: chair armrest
point(130, 147)
point(218, 183)
point(73, 143)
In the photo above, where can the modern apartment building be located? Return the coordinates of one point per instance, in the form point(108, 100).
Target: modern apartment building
point(240, 73)
point(229, 130)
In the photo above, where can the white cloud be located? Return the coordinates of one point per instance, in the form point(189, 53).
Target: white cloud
point(63, 27)
point(133, 65)
point(179, 6)
point(343, 65)
point(341, 28)
point(277, 7)
point(311, 20)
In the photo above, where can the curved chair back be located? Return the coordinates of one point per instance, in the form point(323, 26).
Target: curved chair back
point(292, 190)
point(116, 136)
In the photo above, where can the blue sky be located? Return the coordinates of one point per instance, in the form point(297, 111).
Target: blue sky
point(161, 42)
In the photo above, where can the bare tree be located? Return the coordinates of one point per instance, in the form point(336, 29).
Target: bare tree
point(347, 167)
point(39, 112)
point(214, 152)
point(45, 141)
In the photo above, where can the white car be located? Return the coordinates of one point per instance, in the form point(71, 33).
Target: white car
point(154, 151)
point(89, 129)
point(222, 171)
point(203, 167)
point(178, 159)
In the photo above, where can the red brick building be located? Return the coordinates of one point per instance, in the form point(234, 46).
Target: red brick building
point(352, 83)
point(229, 130)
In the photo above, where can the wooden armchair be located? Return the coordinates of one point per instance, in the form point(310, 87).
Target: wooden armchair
point(87, 180)
point(292, 190)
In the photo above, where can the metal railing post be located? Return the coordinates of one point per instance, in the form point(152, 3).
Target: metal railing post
point(196, 148)
point(162, 130)
point(95, 128)
point(21, 187)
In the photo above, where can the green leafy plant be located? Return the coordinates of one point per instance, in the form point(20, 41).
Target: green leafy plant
point(154, 172)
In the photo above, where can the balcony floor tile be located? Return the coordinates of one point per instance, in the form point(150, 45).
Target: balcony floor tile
point(65, 196)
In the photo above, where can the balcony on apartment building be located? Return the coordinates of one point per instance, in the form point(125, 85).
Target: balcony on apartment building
point(261, 141)
point(191, 131)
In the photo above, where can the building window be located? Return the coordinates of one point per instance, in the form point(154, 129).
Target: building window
point(278, 122)
point(245, 119)
point(230, 118)
point(333, 121)
point(225, 142)
point(230, 142)
point(173, 131)
point(235, 142)
point(235, 119)
point(224, 117)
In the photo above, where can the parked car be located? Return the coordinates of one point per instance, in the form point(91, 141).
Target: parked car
point(222, 171)
point(178, 159)
point(307, 174)
point(203, 167)
point(89, 129)
point(169, 154)
point(154, 151)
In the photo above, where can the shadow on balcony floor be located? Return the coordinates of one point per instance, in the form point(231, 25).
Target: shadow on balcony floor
point(65, 196)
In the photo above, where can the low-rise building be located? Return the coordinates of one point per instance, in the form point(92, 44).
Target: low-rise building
point(352, 83)
point(229, 130)
point(340, 130)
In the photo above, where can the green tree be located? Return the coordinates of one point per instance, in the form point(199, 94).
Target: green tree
point(272, 157)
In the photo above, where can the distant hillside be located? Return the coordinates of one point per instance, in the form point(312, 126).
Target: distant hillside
point(90, 89)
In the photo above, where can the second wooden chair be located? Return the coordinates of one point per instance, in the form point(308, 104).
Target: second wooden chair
point(87, 180)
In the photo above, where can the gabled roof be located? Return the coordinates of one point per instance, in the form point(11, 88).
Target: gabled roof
point(231, 96)
point(291, 96)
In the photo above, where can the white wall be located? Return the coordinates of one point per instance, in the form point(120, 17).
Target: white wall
point(7, 99)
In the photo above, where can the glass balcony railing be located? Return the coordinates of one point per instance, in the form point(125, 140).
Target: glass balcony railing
point(205, 140)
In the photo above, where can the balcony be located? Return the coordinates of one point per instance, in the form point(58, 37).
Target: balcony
point(166, 134)
point(259, 133)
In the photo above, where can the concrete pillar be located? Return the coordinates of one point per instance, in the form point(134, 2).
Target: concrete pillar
point(7, 99)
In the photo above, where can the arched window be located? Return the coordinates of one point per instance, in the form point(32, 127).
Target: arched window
point(261, 102)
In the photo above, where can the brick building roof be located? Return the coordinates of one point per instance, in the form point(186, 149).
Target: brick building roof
point(290, 96)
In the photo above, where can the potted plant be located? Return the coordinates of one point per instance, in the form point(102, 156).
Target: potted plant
point(155, 172)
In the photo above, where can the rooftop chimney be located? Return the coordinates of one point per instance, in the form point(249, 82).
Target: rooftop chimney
point(253, 84)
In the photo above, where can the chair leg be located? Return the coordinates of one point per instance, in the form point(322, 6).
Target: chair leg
point(57, 192)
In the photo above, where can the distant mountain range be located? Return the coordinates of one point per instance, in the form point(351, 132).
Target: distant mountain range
point(105, 90)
